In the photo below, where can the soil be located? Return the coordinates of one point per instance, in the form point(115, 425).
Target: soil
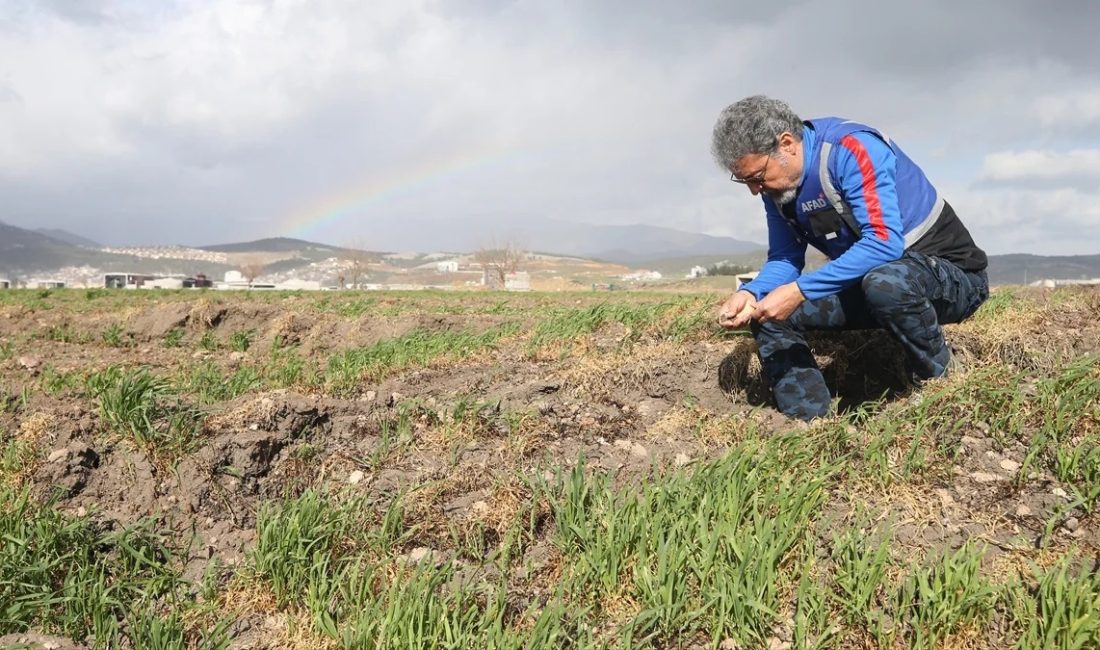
point(623, 412)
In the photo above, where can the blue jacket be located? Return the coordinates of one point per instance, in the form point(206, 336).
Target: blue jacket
point(862, 202)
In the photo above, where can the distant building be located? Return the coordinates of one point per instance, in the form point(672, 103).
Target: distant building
point(46, 284)
point(164, 283)
point(642, 276)
point(697, 272)
point(744, 278)
point(299, 285)
point(447, 266)
point(120, 280)
point(5, 283)
point(1051, 283)
point(518, 281)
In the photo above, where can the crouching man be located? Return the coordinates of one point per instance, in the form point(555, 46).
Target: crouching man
point(899, 257)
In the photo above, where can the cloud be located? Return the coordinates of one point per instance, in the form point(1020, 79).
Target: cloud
point(219, 120)
point(1049, 169)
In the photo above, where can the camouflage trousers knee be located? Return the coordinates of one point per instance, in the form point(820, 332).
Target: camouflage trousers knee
point(911, 298)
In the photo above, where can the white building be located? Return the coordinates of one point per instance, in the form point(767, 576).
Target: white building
point(46, 284)
point(518, 281)
point(642, 276)
point(5, 283)
point(165, 283)
point(696, 272)
point(447, 266)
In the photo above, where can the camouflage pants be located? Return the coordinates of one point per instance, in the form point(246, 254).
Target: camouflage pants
point(910, 298)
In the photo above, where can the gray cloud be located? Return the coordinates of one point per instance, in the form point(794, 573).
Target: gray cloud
point(214, 121)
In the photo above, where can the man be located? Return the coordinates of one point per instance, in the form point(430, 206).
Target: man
point(899, 257)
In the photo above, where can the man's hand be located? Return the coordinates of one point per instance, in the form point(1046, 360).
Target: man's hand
point(737, 310)
point(779, 304)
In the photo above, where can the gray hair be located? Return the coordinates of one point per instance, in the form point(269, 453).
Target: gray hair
point(751, 126)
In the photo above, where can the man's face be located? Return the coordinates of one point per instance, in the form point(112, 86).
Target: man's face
point(777, 174)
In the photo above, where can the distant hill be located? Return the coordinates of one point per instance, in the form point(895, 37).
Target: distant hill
point(270, 245)
point(68, 237)
point(623, 244)
point(26, 252)
point(23, 250)
point(1021, 268)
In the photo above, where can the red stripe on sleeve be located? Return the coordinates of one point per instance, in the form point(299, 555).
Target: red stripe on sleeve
point(870, 195)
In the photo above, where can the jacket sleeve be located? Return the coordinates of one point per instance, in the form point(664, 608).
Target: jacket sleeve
point(863, 168)
point(786, 257)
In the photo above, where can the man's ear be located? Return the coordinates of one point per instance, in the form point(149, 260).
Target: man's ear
point(787, 142)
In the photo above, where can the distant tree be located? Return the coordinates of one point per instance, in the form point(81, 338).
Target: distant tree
point(251, 267)
point(358, 263)
point(499, 261)
point(725, 268)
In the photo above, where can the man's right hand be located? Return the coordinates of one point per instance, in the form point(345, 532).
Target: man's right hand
point(736, 311)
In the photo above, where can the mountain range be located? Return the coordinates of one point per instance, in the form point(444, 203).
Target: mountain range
point(24, 251)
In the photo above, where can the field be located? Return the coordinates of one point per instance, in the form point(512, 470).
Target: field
point(571, 470)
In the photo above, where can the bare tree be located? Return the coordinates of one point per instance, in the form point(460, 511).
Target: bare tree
point(499, 261)
point(359, 261)
point(251, 266)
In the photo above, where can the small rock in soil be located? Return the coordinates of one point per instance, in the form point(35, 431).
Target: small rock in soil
point(1023, 511)
point(355, 477)
point(985, 477)
point(1009, 465)
point(1072, 524)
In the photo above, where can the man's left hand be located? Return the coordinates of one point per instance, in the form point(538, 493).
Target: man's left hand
point(779, 304)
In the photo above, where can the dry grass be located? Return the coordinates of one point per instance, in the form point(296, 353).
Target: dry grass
point(36, 426)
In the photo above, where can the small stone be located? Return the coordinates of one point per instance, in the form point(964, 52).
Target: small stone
point(355, 477)
point(970, 441)
point(238, 356)
point(729, 644)
point(57, 454)
point(775, 643)
point(30, 363)
point(1059, 492)
point(81, 511)
point(681, 459)
point(990, 454)
point(639, 451)
point(479, 508)
point(1023, 511)
point(370, 395)
point(985, 477)
point(1072, 524)
point(1009, 465)
point(420, 554)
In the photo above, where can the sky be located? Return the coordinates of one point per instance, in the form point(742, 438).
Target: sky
point(139, 122)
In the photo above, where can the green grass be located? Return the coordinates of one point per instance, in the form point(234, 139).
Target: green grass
point(116, 336)
point(672, 320)
point(348, 369)
point(143, 408)
point(67, 576)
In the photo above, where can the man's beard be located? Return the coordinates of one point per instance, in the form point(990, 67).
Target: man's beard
point(784, 197)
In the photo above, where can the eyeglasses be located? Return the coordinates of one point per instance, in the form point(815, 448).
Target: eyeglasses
point(755, 179)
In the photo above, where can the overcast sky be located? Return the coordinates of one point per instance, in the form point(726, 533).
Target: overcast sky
point(135, 121)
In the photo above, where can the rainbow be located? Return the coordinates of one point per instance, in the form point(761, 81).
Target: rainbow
point(378, 188)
